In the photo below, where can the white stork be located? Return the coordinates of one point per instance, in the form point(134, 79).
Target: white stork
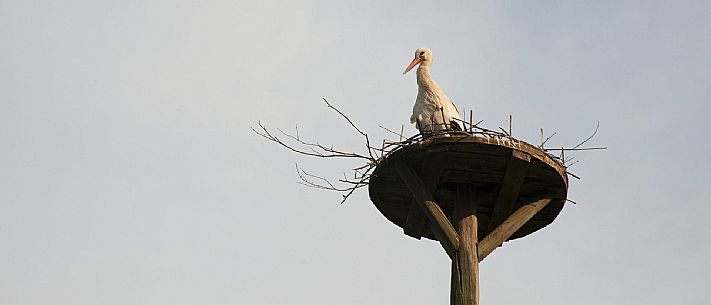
point(433, 111)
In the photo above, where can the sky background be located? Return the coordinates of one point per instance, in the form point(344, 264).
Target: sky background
point(130, 174)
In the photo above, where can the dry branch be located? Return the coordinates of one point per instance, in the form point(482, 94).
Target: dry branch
point(375, 155)
point(546, 140)
point(590, 137)
point(367, 140)
point(326, 152)
point(361, 174)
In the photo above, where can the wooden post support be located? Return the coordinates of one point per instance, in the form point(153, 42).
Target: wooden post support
point(509, 227)
point(465, 266)
point(440, 225)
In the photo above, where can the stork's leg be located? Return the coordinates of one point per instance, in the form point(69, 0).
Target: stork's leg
point(444, 120)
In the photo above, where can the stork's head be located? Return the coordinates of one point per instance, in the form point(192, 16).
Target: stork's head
point(423, 56)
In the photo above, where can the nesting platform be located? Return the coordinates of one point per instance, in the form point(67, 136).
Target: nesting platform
point(490, 165)
point(471, 193)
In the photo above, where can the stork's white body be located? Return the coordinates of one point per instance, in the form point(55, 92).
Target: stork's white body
point(433, 110)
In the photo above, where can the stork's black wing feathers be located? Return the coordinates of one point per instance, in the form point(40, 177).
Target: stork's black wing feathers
point(454, 125)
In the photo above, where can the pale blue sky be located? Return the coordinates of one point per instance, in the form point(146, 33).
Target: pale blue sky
point(130, 174)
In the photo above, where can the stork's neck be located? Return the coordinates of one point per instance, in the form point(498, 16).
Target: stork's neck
point(423, 77)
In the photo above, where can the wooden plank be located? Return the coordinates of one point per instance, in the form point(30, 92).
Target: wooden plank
point(465, 267)
point(510, 186)
point(416, 222)
point(509, 227)
point(495, 148)
point(439, 224)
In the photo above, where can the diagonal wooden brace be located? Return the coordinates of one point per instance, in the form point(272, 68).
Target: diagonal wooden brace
point(432, 167)
point(509, 227)
point(439, 224)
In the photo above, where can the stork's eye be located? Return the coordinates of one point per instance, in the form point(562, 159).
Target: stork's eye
point(422, 53)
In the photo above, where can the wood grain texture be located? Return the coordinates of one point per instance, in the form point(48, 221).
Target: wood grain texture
point(509, 227)
point(473, 160)
point(514, 176)
point(471, 194)
point(439, 224)
point(416, 223)
point(465, 267)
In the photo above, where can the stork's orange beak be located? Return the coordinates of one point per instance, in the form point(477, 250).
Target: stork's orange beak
point(412, 65)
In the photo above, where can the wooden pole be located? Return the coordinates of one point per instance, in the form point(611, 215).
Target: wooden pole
point(465, 265)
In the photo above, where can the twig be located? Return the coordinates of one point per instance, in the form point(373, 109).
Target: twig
point(575, 149)
point(265, 133)
point(344, 116)
point(353, 184)
point(590, 137)
point(510, 124)
point(390, 131)
point(367, 140)
point(362, 173)
point(464, 113)
point(546, 140)
point(303, 173)
point(364, 177)
point(562, 154)
point(330, 150)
